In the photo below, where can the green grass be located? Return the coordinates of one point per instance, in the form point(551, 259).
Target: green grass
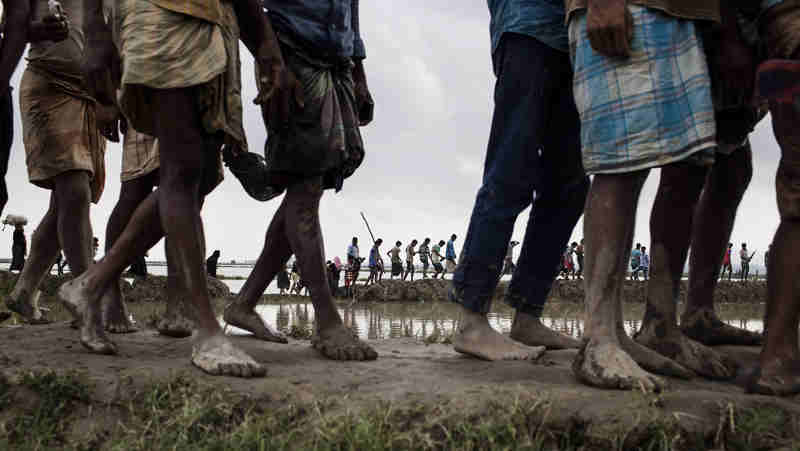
point(38, 411)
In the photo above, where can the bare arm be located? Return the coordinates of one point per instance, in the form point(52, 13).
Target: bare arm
point(14, 38)
point(99, 61)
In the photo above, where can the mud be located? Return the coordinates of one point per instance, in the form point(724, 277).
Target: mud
point(407, 370)
point(562, 291)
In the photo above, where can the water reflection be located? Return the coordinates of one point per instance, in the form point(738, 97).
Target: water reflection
point(430, 320)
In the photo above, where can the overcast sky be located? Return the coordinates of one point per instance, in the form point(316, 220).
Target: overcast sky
point(429, 70)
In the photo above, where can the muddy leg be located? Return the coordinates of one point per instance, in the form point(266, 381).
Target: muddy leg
point(132, 193)
point(609, 222)
point(779, 372)
point(274, 256)
point(331, 338)
point(176, 321)
point(711, 230)
point(670, 226)
point(184, 160)
point(44, 250)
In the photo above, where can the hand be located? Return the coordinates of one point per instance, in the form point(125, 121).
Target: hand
point(108, 119)
point(609, 26)
point(99, 64)
point(278, 93)
point(364, 103)
point(365, 106)
point(49, 28)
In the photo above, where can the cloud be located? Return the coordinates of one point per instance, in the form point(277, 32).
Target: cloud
point(429, 69)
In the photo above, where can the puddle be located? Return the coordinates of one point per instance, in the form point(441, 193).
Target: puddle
point(421, 320)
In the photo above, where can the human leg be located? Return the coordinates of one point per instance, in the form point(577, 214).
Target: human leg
point(274, 256)
point(44, 249)
point(779, 363)
point(132, 193)
point(713, 222)
point(604, 359)
point(671, 226)
point(304, 234)
point(559, 202)
point(528, 98)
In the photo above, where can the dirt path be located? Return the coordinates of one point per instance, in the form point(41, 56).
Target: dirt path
point(406, 371)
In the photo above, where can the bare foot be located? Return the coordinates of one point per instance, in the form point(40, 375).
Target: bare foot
point(650, 360)
point(75, 298)
point(607, 365)
point(529, 330)
point(247, 319)
point(779, 379)
point(115, 314)
point(704, 326)
point(25, 306)
point(216, 355)
point(476, 338)
point(701, 359)
point(175, 323)
point(93, 336)
point(339, 343)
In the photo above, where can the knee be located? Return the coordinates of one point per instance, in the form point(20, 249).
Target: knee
point(682, 184)
point(730, 177)
point(72, 189)
point(503, 198)
point(185, 178)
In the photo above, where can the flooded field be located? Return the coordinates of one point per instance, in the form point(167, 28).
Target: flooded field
point(423, 320)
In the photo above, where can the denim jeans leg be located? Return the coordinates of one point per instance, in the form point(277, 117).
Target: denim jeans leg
point(512, 168)
point(559, 201)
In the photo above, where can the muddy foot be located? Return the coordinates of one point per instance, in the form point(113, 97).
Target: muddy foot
point(247, 319)
point(115, 314)
point(339, 343)
point(26, 309)
point(94, 338)
point(606, 365)
point(689, 353)
point(218, 356)
point(652, 361)
point(481, 341)
point(530, 331)
point(175, 325)
point(782, 379)
point(74, 298)
point(704, 326)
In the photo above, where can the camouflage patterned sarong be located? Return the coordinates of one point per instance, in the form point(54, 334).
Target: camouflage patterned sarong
point(59, 129)
point(323, 138)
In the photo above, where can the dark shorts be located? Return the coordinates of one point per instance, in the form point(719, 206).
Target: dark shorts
point(438, 267)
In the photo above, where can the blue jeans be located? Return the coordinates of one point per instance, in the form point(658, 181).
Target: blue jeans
point(533, 158)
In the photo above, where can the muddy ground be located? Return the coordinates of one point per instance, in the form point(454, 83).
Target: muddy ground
point(562, 291)
point(428, 384)
point(418, 395)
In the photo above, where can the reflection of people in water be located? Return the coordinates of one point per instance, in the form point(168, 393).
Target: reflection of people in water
point(19, 248)
point(283, 281)
point(211, 264)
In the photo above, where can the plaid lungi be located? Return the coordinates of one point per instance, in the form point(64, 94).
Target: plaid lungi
point(139, 155)
point(162, 49)
point(651, 109)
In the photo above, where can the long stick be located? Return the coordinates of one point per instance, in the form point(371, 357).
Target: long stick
point(367, 224)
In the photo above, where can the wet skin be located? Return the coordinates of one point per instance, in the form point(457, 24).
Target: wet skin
point(711, 230)
point(295, 230)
